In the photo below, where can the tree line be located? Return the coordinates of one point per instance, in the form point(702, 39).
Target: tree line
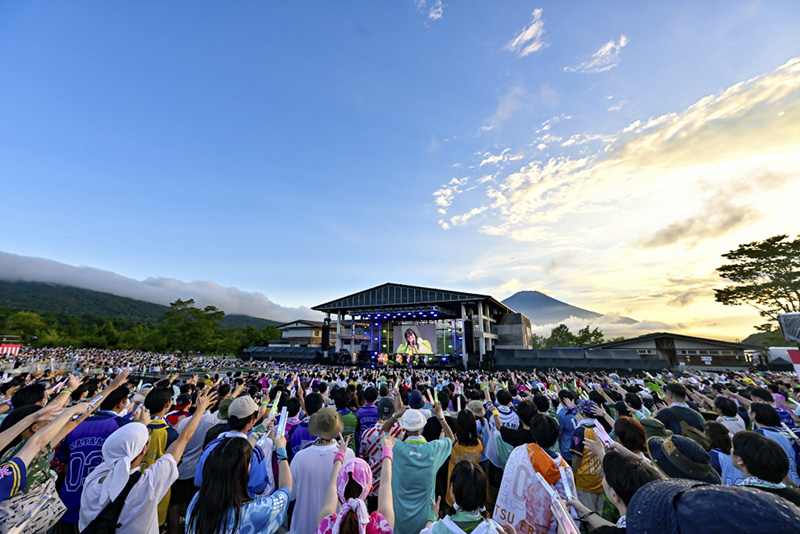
point(183, 328)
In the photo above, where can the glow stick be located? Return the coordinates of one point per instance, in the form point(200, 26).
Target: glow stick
point(436, 396)
point(567, 485)
point(458, 403)
point(274, 409)
point(793, 401)
point(92, 404)
point(139, 385)
point(282, 425)
point(789, 430)
point(602, 435)
point(27, 516)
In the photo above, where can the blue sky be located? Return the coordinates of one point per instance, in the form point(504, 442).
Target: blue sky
point(605, 153)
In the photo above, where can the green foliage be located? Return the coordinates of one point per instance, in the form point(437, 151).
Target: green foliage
point(190, 329)
point(764, 275)
point(561, 337)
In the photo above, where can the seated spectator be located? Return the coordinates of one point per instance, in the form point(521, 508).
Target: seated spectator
point(349, 485)
point(768, 424)
point(728, 415)
point(223, 506)
point(764, 465)
point(630, 433)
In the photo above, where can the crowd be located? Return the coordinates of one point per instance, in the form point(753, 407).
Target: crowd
point(318, 450)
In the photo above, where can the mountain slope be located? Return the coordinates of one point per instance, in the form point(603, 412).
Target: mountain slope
point(50, 298)
point(542, 309)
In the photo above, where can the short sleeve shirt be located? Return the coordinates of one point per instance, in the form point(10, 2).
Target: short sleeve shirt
point(12, 478)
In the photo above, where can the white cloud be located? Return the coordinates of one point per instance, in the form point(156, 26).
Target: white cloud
point(157, 290)
point(604, 59)
point(531, 38)
point(433, 11)
point(504, 157)
point(663, 197)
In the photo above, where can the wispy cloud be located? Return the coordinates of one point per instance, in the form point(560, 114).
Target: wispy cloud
point(657, 199)
point(433, 10)
point(604, 59)
point(157, 290)
point(531, 38)
point(496, 159)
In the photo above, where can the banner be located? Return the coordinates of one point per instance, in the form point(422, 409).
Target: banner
point(795, 356)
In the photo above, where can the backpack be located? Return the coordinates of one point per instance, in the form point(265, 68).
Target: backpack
point(107, 521)
point(688, 431)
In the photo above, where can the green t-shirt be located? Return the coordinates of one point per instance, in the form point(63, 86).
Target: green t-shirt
point(414, 469)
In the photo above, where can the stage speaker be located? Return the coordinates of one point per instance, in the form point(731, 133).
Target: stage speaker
point(469, 337)
point(326, 335)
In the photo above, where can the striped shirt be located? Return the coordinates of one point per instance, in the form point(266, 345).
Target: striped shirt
point(12, 478)
point(372, 452)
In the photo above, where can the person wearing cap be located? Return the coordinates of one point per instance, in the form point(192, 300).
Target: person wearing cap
point(371, 448)
point(311, 469)
point(586, 466)
point(416, 463)
point(763, 464)
point(681, 457)
point(221, 423)
point(181, 409)
point(679, 505)
point(243, 414)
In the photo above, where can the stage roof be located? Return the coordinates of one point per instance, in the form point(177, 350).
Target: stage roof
point(395, 295)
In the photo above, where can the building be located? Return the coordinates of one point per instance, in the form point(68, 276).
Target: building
point(688, 351)
point(301, 333)
point(456, 324)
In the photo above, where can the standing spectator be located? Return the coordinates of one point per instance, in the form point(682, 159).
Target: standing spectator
point(728, 415)
point(567, 422)
point(586, 466)
point(720, 453)
point(678, 410)
point(123, 453)
point(222, 505)
point(368, 414)
point(312, 467)
point(352, 425)
point(415, 466)
point(299, 436)
point(81, 451)
point(350, 482)
point(466, 448)
point(372, 450)
point(158, 402)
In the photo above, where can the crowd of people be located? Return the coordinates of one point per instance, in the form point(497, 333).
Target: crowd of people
point(317, 450)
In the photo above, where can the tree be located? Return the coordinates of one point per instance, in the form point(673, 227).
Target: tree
point(188, 328)
point(561, 337)
point(764, 275)
point(586, 337)
point(26, 324)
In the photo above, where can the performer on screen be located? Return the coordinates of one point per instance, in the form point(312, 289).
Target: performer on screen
point(414, 344)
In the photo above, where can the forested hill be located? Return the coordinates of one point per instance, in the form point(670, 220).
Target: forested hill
point(55, 299)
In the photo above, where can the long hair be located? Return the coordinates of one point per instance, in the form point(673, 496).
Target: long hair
point(718, 434)
point(467, 431)
point(225, 477)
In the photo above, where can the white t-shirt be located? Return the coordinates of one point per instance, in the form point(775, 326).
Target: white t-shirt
point(140, 513)
point(311, 473)
point(194, 449)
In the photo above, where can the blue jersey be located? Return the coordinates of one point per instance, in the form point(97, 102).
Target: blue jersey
point(80, 452)
point(567, 423)
point(299, 438)
point(368, 415)
point(260, 479)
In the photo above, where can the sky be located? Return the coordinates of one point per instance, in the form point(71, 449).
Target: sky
point(268, 157)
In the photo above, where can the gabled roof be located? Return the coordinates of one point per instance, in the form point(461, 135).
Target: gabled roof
point(657, 335)
point(317, 324)
point(390, 294)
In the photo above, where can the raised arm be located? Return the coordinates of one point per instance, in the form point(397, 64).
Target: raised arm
point(385, 501)
point(331, 499)
point(204, 400)
point(49, 432)
point(448, 432)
